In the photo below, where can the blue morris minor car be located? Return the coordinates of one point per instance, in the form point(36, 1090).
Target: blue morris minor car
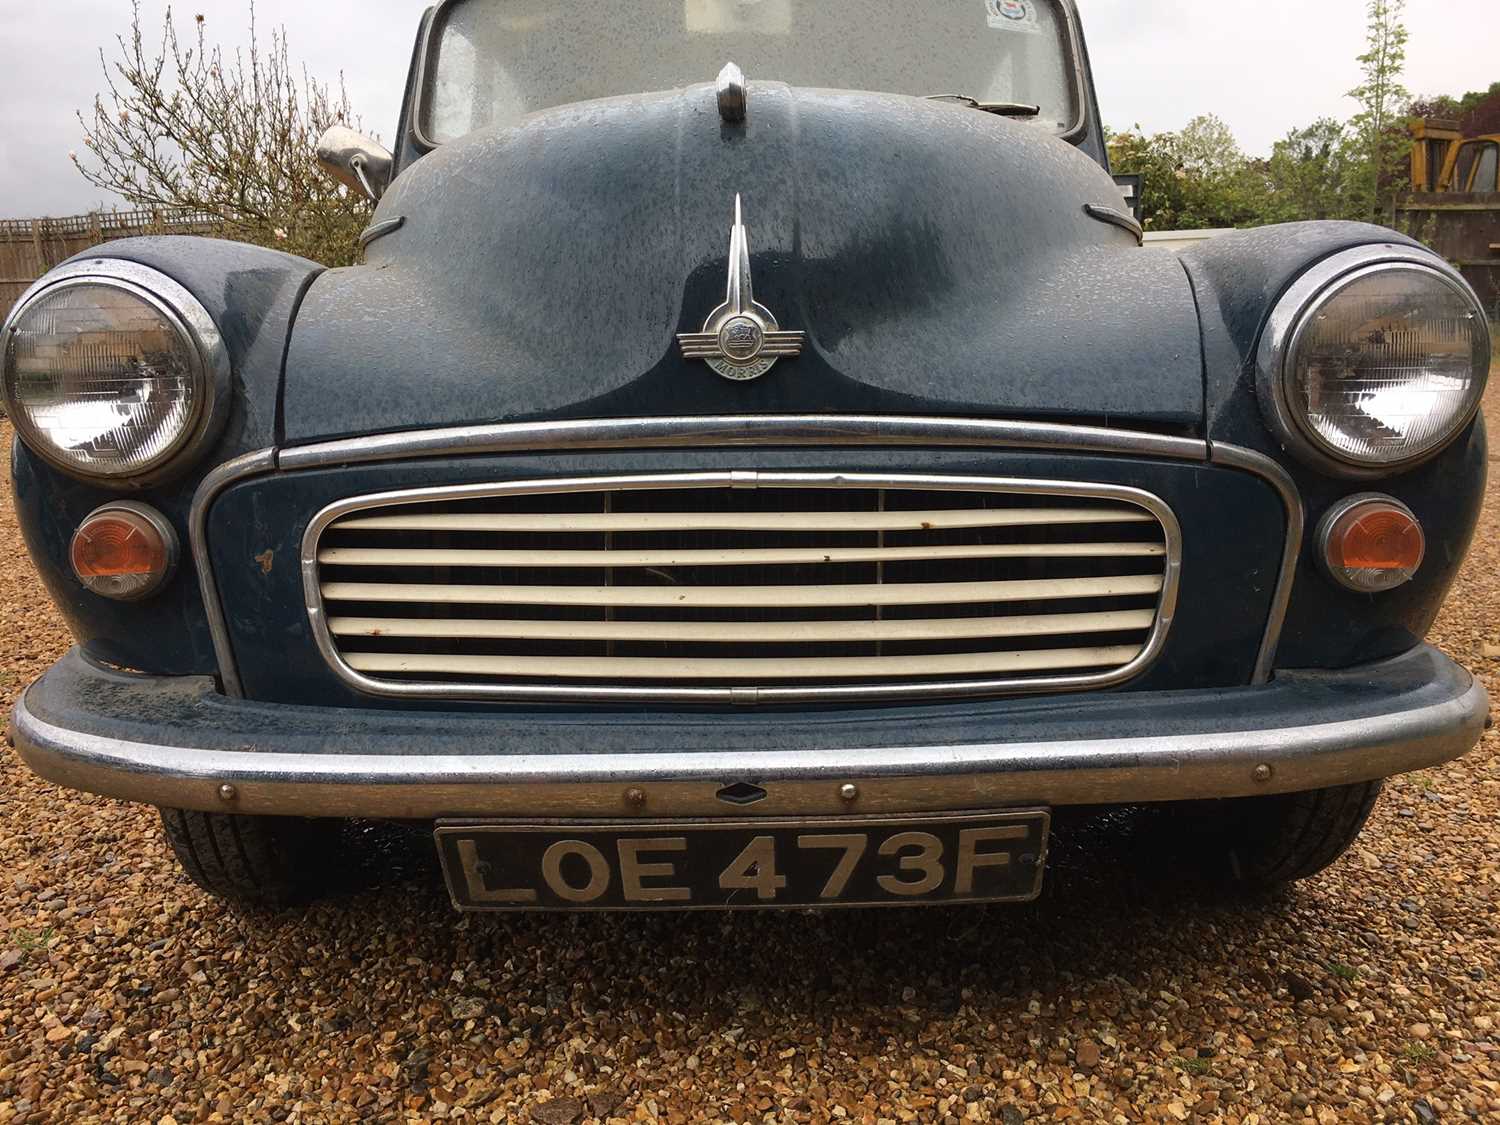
point(757, 465)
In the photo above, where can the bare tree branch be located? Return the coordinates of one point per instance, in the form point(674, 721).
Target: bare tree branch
point(187, 127)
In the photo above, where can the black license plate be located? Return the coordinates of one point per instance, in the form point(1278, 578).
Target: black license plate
point(744, 864)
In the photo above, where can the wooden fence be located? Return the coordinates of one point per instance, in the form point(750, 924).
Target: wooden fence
point(1463, 227)
point(31, 247)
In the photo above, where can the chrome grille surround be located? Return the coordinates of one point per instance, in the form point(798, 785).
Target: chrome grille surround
point(966, 674)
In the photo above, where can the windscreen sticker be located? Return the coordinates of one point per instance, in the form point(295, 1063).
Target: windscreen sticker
point(1012, 15)
point(738, 17)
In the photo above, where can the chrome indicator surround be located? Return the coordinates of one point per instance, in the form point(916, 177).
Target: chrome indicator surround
point(740, 431)
point(1323, 538)
point(163, 528)
point(740, 339)
point(748, 695)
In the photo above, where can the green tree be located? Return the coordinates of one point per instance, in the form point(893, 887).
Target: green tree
point(1152, 158)
point(1225, 187)
point(1309, 175)
point(1206, 149)
point(1379, 128)
point(189, 127)
point(1191, 180)
point(1477, 112)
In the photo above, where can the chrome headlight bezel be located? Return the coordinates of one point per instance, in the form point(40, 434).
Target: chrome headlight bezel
point(1283, 335)
point(187, 317)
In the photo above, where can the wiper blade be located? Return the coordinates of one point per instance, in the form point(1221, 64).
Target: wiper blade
point(1004, 109)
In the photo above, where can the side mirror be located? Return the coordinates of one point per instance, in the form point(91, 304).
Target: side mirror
point(356, 161)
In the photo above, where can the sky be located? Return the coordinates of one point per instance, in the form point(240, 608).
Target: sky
point(1264, 66)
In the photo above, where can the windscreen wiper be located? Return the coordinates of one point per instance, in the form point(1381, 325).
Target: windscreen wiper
point(1004, 109)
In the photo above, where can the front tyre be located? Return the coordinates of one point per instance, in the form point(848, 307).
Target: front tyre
point(1266, 842)
point(258, 862)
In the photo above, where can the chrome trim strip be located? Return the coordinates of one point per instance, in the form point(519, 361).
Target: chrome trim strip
point(380, 230)
point(1117, 218)
point(1248, 460)
point(1166, 767)
point(188, 317)
point(1284, 328)
point(710, 431)
point(1155, 642)
point(231, 472)
point(740, 429)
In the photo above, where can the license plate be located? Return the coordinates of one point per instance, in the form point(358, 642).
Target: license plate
point(744, 864)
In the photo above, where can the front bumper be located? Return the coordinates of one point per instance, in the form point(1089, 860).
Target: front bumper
point(177, 742)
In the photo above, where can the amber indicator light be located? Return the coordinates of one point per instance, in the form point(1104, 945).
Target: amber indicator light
point(1375, 545)
point(121, 553)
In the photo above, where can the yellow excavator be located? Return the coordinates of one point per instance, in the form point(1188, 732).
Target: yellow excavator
point(1443, 159)
point(1454, 204)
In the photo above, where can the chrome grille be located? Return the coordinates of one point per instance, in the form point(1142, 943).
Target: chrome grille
point(742, 587)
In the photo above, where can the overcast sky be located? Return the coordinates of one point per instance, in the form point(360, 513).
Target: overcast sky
point(1264, 66)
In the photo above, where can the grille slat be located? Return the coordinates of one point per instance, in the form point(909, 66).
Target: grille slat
point(972, 664)
point(749, 597)
point(732, 632)
point(706, 588)
point(355, 556)
point(747, 521)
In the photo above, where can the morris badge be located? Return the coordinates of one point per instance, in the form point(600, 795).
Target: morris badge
point(741, 339)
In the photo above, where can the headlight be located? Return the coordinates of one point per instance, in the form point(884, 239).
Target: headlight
point(1374, 361)
point(113, 371)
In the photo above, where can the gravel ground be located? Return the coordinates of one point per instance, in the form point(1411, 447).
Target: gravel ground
point(1130, 992)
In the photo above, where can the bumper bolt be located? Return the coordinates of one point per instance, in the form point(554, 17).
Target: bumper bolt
point(228, 792)
point(849, 791)
point(1262, 772)
point(635, 796)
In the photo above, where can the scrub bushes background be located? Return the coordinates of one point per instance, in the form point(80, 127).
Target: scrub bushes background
point(189, 128)
point(1198, 178)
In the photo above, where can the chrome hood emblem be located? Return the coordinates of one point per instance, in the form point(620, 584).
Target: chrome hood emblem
point(741, 339)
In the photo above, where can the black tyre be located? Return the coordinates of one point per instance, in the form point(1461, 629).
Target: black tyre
point(1265, 842)
point(253, 861)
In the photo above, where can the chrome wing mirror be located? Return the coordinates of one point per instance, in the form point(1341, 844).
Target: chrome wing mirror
point(356, 161)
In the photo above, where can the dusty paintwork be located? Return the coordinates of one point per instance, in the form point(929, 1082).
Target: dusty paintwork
point(587, 625)
point(940, 260)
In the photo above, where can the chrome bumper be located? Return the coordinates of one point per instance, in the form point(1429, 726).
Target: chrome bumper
point(177, 742)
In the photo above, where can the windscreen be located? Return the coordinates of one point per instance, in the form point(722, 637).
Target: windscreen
point(491, 62)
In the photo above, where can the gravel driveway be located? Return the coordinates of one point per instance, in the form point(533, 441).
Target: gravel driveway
point(1131, 992)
